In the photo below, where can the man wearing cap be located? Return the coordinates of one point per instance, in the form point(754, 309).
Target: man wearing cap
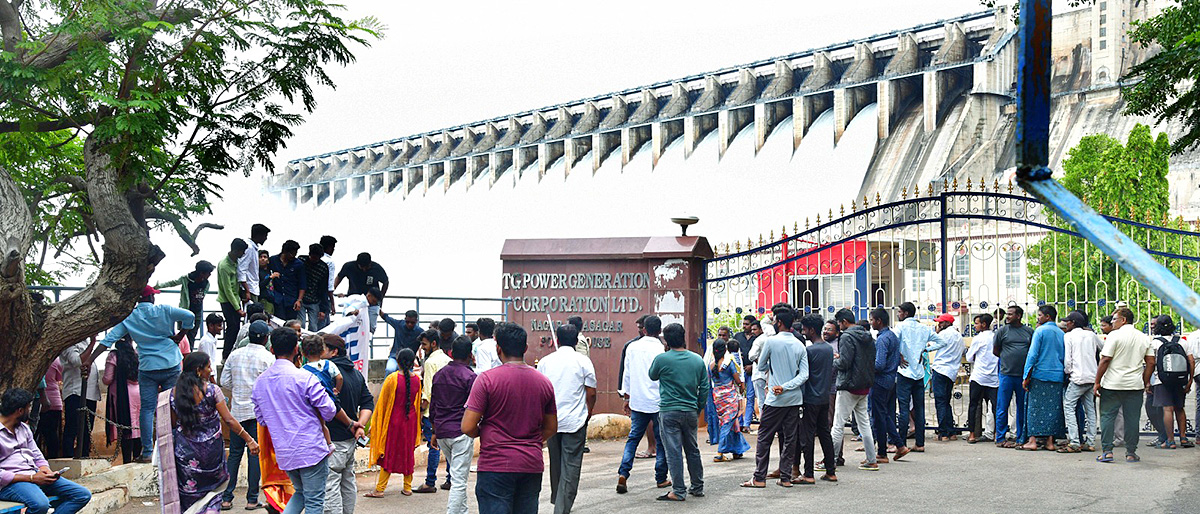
point(239, 374)
point(1080, 365)
point(192, 288)
point(945, 370)
point(248, 274)
point(151, 328)
point(229, 296)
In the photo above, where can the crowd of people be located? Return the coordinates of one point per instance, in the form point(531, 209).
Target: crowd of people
point(297, 406)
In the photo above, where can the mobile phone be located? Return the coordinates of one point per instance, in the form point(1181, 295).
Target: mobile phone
point(363, 442)
point(60, 472)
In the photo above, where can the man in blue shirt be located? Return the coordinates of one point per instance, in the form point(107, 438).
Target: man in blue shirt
point(882, 399)
point(407, 330)
point(292, 282)
point(152, 328)
point(915, 340)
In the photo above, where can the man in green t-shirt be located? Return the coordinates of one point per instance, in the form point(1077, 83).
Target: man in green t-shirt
point(683, 388)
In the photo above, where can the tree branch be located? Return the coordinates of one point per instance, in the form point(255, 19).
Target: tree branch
point(180, 228)
point(58, 50)
point(41, 126)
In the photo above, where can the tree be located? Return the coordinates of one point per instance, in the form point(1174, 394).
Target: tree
point(1165, 85)
point(116, 116)
point(1124, 181)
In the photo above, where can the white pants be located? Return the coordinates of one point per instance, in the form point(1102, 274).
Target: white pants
point(848, 403)
point(458, 453)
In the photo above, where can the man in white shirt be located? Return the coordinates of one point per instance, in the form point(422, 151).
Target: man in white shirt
point(1079, 363)
point(247, 273)
point(213, 324)
point(574, 380)
point(985, 379)
point(945, 366)
point(241, 371)
point(91, 399)
point(328, 243)
point(73, 359)
point(484, 348)
point(641, 402)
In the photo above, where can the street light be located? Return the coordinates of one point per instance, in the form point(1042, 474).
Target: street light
point(684, 221)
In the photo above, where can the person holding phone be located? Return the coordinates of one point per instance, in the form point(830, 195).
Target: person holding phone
point(25, 476)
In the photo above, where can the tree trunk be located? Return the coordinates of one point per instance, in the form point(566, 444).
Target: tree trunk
point(32, 331)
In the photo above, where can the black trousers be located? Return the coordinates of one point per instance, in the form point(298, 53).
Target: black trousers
point(233, 324)
point(131, 449)
point(774, 421)
point(814, 423)
point(49, 433)
point(70, 435)
point(978, 394)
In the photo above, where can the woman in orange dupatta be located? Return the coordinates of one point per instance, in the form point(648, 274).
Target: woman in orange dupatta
point(396, 425)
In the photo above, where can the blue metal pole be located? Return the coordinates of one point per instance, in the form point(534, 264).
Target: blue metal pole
point(1033, 173)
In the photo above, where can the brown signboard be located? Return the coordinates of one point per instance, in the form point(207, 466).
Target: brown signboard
point(610, 283)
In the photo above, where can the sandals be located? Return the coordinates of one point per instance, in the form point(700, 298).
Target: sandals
point(1186, 443)
point(722, 458)
point(751, 485)
point(644, 455)
point(1132, 458)
point(829, 478)
point(226, 505)
point(1105, 457)
point(668, 498)
point(783, 483)
point(373, 494)
point(1068, 449)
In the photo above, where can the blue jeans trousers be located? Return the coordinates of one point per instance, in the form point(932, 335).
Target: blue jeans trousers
point(71, 496)
point(640, 421)
point(151, 383)
point(310, 488)
point(943, 390)
point(750, 395)
point(883, 419)
point(712, 420)
point(507, 493)
point(910, 393)
point(237, 448)
point(435, 454)
point(1010, 385)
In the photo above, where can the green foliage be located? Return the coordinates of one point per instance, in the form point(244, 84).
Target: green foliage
point(1165, 85)
point(1125, 181)
point(730, 319)
point(177, 95)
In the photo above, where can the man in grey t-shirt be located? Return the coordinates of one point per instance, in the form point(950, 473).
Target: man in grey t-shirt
point(1011, 345)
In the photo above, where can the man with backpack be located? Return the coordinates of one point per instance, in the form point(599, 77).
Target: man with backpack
point(1174, 368)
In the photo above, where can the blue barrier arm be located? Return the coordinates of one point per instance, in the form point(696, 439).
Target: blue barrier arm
point(1033, 173)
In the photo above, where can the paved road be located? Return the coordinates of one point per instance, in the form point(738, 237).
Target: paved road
point(950, 476)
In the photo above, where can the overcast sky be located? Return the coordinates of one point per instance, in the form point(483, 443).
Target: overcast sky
point(447, 63)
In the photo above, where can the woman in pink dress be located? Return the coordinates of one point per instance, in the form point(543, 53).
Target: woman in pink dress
point(124, 400)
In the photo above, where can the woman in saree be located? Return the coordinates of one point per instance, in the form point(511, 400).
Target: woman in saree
point(726, 375)
point(124, 399)
point(191, 451)
point(396, 425)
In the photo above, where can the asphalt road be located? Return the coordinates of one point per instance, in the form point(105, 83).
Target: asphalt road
point(948, 477)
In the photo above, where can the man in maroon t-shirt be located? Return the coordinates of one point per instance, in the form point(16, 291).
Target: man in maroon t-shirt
point(512, 411)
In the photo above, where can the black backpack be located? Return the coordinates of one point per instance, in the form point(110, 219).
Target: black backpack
point(1172, 363)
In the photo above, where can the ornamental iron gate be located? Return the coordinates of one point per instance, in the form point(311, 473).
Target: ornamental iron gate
point(960, 251)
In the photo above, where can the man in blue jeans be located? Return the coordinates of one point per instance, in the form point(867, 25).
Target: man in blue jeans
point(25, 476)
point(915, 340)
point(641, 403)
point(152, 328)
point(1012, 346)
point(882, 398)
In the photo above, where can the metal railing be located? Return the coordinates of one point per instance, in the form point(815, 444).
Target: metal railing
point(462, 310)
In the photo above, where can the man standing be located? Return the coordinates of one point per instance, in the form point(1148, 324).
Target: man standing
point(213, 324)
point(362, 275)
point(239, 374)
point(151, 328)
point(407, 332)
point(1011, 346)
point(192, 289)
point(574, 380)
point(1079, 363)
point(435, 359)
point(471, 330)
point(915, 340)
point(229, 296)
point(356, 401)
point(642, 403)
point(291, 284)
point(882, 399)
point(855, 363)
point(249, 274)
point(25, 475)
point(683, 384)
point(452, 386)
point(1042, 380)
point(328, 244)
point(984, 377)
point(512, 411)
point(814, 421)
point(745, 341)
point(945, 371)
point(484, 349)
point(1124, 372)
point(585, 343)
point(316, 303)
point(72, 360)
point(292, 404)
point(786, 362)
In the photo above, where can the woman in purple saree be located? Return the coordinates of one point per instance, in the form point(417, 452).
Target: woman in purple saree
point(191, 452)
